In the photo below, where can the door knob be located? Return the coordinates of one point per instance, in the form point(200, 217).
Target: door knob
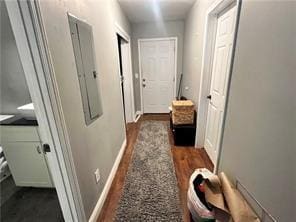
point(144, 85)
point(46, 148)
point(209, 97)
point(144, 80)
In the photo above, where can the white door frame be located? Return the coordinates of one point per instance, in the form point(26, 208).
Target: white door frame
point(27, 26)
point(175, 39)
point(206, 70)
point(120, 31)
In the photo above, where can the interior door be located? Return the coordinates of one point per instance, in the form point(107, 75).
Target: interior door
point(126, 78)
point(219, 81)
point(158, 71)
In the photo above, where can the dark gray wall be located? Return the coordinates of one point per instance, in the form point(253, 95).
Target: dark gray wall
point(14, 90)
point(259, 139)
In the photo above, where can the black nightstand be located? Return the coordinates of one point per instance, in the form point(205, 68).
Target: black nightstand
point(184, 135)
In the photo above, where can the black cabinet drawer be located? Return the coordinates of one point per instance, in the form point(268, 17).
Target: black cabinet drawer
point(184, 135)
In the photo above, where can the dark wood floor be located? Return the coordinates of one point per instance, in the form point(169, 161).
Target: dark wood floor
point(186, 159)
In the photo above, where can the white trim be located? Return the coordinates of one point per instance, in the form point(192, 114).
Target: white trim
point(96, 212)
point(157, 39)
point(120, 31)
point(206, 69)
point(140, 77)
point(139, 112)
point(140, 65)
point(138, 116)
point(26, 22)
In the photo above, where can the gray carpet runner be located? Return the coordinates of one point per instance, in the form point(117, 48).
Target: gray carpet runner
point(150, 191)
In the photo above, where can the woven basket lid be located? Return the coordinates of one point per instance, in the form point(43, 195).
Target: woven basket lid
point(180, 103)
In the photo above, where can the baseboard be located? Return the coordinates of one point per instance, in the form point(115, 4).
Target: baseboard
point(138, 115)
point(139, 112)
point(137, 118)
point(96, 212)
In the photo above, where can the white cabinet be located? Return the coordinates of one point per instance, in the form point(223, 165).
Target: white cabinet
point(22, 149)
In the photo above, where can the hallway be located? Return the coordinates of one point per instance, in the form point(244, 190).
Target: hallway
point(186, 160)
point(88, 88)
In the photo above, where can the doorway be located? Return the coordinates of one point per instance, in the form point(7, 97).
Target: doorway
point(41, 137)
point(28, 192)
point(220, 36)
point(219, 84)
point(125, 72)
point(157, 58)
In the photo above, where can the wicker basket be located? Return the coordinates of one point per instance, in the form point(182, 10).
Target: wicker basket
point(183, 112)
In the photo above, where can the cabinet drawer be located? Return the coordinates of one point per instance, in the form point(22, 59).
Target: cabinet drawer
point(28, 166)
point(19, 134)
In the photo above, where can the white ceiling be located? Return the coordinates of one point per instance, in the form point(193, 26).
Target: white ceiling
point(154, 10)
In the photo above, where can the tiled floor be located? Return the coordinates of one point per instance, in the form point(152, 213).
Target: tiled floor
point(26, 204)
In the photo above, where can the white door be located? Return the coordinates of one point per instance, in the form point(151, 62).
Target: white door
point(127, 87)
point(158, 72)
point(219, 82)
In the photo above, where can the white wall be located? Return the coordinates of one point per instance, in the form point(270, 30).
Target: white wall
point(119, 17)
point(96, 145)
point(14, 90)
point(193, 48)
point(259, 139)
point(155, 30)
